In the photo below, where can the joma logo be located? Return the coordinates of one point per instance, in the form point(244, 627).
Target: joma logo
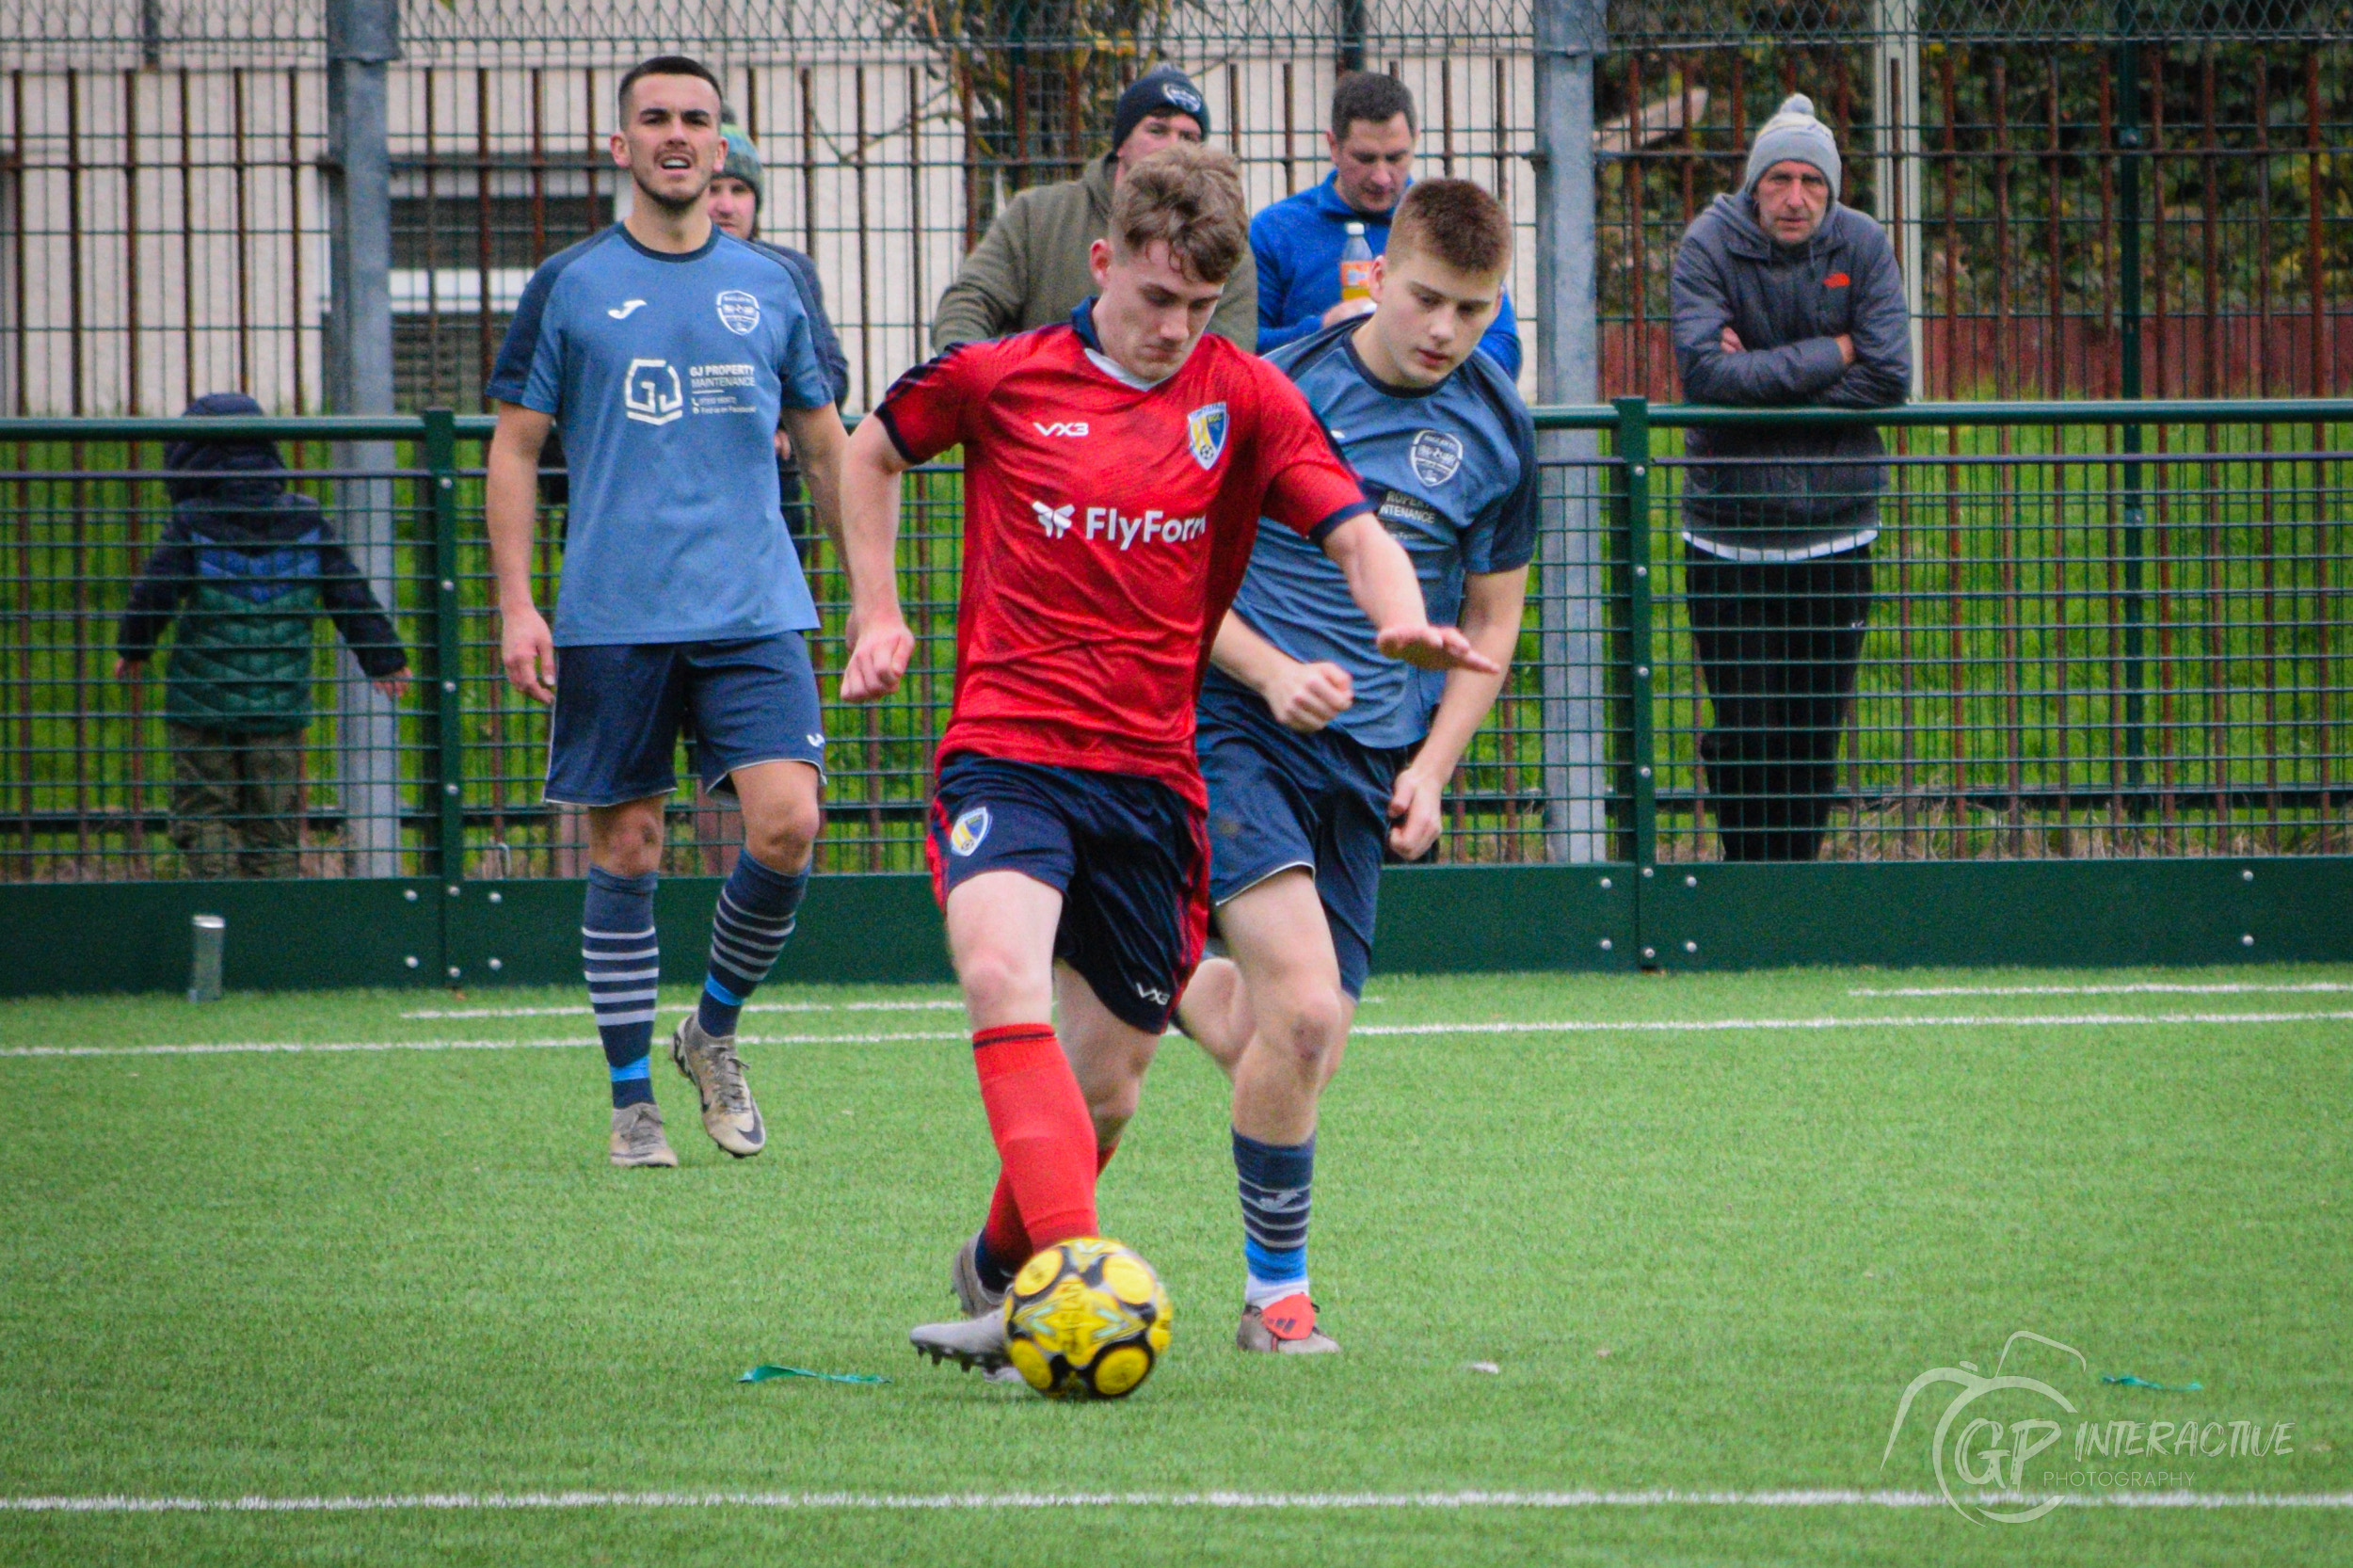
point(1060, 428)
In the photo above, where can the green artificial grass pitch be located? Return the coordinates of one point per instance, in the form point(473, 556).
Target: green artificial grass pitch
point(1705, 1231)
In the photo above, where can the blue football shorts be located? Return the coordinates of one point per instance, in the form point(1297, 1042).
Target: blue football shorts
point(1126, 852)
point(1279, 799)
point(620, 710)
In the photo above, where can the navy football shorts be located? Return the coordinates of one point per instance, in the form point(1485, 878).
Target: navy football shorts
point(621, 708)
point(1280, 799)
point(1126, 852)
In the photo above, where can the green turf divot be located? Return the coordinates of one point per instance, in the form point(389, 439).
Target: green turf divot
point(769, 1372)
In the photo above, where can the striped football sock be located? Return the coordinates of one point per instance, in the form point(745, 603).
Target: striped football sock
point(1277, 1183)
point(754, 921)
point(623, 959)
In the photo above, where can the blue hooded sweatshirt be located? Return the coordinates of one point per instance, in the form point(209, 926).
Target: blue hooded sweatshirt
point(1297, 244)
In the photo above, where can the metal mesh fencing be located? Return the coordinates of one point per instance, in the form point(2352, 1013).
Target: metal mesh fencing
point(2079, 637)
point(2061, 179)
point(2064, 641)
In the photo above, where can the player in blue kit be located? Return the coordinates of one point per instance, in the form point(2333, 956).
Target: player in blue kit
point(669, 353)
point(1318, 754)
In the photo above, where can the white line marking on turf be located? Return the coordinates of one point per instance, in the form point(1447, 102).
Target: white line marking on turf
point(1656, 1498)
point(751, 1007)
point(2150, 987)
point(1577, 1026)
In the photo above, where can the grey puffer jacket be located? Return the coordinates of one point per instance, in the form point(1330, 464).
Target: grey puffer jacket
point(1788, 304)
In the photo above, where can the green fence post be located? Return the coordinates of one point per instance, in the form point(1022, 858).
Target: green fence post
point(1633, 443)
point(440, 462)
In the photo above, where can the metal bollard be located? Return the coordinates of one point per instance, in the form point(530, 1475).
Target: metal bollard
point(210, 933)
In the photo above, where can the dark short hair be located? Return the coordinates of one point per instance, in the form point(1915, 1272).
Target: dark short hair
point(1455, 222)
point(669, 64)
point(1190, 196)
point(1369, 95)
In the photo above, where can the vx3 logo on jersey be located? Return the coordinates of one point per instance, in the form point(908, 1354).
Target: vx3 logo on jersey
point(1060, 428)
point(1115, 527)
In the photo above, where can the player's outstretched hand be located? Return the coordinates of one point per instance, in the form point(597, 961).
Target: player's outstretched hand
point(1306, 698)
point(1433, 647)
point(527, 649)
point(877, 662)
point(1414, 812)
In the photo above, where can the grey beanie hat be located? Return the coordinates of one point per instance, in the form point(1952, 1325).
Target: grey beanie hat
point(1792, 136)
point(743, 162)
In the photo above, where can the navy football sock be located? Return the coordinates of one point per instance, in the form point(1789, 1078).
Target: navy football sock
point(754, 921)
point(1277, 1181)
point(623, 959)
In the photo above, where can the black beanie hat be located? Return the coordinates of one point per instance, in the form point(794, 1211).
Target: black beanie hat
point(1162, 89)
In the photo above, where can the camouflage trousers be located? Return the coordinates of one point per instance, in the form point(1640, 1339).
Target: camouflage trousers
point(236, 802)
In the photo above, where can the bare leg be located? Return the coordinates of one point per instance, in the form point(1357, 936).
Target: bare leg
point(781, 813)
point(1290, 989)
point(1109, 1055)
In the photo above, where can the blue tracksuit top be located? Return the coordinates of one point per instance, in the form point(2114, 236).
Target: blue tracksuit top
point(1297, 244)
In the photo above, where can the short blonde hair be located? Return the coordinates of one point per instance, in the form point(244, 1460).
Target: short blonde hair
point(1190, 198)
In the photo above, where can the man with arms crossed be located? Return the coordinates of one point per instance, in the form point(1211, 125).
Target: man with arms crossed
point(1316, 749)
point(669, 352)
point(1116, 469)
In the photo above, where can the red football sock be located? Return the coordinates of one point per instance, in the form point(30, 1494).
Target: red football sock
point(1003, 1236)
point(1045, 1138)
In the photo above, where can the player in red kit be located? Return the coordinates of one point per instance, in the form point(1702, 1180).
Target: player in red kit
point(1116, 469)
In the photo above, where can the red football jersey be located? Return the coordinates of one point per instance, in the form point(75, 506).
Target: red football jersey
point(1106, 529)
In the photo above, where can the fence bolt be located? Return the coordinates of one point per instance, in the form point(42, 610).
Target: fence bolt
point(1639, 470)
point(1641, 672)
point(1690, 882)
point(1650, 953)
point(2247, 940)
point(449, 685)
point(2247, 876)
point(498, 898)
point(410, 960)
point(447, 483)
point(449, 584)
point(1642, 571)
point(453, 971)
point(1690, 947)
point(1644, 772)
point(409, 893)
point(449, 789)
point(1604, 944)
point(1647, 871)
point(1604, 884)
point(496, 965)
point(453, 889)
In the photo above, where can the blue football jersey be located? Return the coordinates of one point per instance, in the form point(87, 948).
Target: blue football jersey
point(668, 375)
point(1452, 471)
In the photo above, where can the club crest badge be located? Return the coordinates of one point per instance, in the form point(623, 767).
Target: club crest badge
point(970, 830)
point(1436, 457)
point(1205, 428)
point(738, 312)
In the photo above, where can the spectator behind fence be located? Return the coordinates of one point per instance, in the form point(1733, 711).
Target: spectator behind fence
point(737, 193)
point(1298, 241)
point(1783, 299)
point(1030, 269)
point(244, 569)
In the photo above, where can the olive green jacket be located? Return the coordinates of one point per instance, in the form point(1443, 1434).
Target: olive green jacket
point(1031, 269)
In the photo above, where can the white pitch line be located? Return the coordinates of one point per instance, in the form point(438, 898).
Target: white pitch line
point(1312, 1501)
point(1570, 1026)
point(2148, 987)
point(749, 1007)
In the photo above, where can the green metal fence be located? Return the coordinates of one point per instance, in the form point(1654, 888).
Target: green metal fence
point(2097, 632)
